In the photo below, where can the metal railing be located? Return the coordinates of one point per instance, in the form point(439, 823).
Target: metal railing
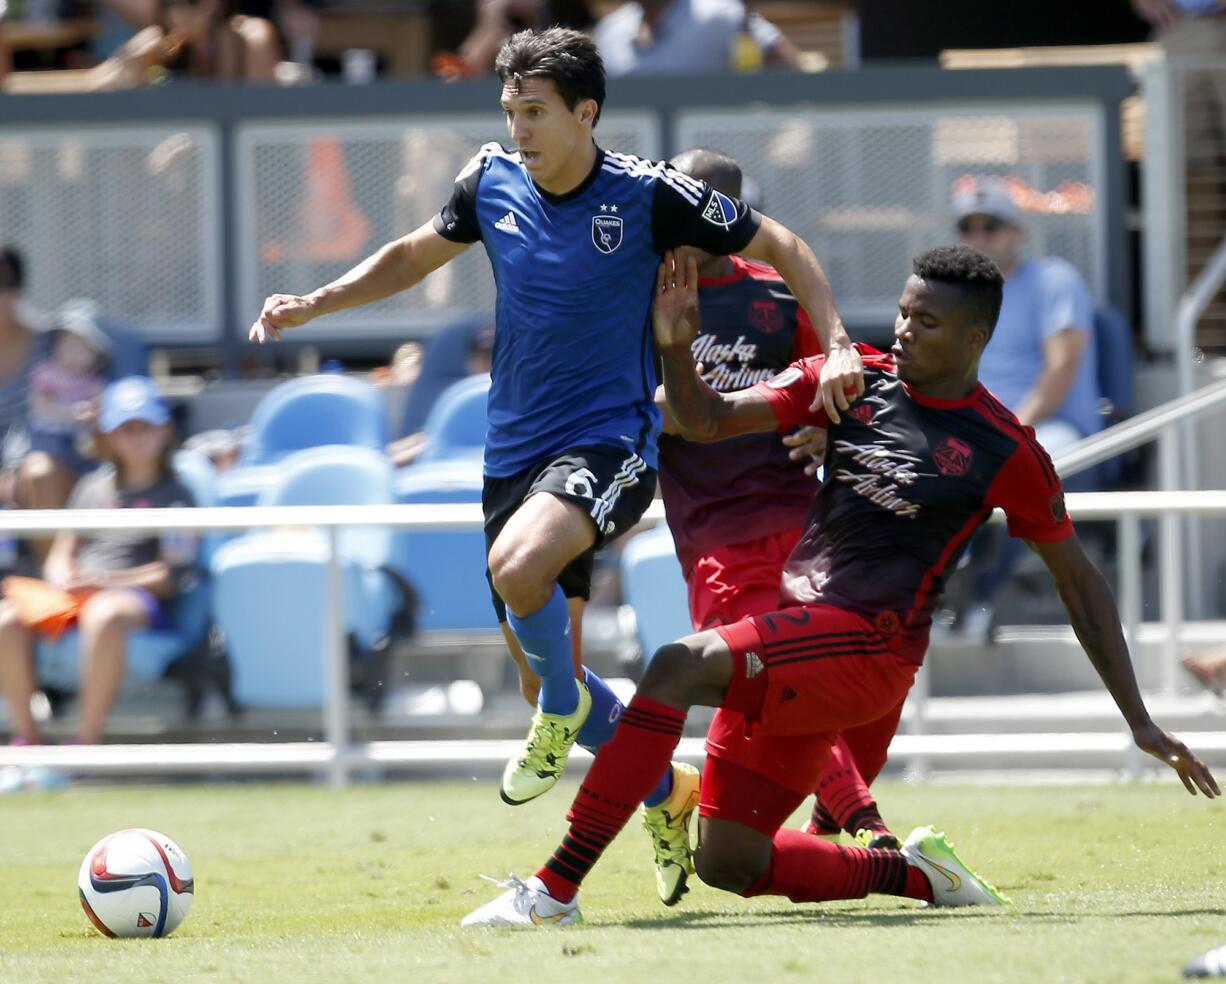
point(337, 756)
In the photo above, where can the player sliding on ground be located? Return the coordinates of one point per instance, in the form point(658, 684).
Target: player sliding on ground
point(736, 510)
point(905, 486)
point(574, 234)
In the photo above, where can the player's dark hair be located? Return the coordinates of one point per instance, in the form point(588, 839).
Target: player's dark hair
point(12, 268)
point(974, 274)
point(567, 58)
point(717, 169)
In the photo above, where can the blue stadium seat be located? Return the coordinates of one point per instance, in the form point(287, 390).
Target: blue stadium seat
point(652, 584)
point(308, 412)
point(446, 567)
point(270, 586)
point(149, 653)
point(458, 422)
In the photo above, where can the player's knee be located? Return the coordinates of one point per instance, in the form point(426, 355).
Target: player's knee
point(729, 871)
point(672, 674)
point(516, 578)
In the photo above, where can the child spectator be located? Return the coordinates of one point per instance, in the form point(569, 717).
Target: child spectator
point(109, 584)
point(63, 390)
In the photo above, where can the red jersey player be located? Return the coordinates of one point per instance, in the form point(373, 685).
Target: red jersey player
point(905, 486)
point(737, 508)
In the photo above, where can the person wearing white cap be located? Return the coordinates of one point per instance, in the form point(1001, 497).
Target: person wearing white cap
point(1041, 362)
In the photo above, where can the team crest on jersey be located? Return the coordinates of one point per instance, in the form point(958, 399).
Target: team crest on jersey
point(953, 457)
point(863, 413)
point(720, 210)
point(606, 232)
point(766, 316)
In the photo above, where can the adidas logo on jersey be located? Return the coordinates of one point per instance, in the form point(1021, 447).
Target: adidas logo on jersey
point(507, 223)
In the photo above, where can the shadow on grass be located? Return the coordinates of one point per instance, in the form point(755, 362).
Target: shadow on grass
point(900, 917)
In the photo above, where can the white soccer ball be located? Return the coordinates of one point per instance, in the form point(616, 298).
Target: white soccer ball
point(136, 883)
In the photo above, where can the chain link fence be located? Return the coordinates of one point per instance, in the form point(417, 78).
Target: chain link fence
point(870, 188)
point(128, 217)
point(316, 198)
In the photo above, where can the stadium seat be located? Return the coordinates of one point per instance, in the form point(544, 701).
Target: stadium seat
point(458, 422)
point(447, 567)
point(308, 412)
point(653, 586)
point(149, 653)
point(270, 586)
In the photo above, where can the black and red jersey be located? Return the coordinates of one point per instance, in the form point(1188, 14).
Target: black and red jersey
point(908, 479)
point(745, 488)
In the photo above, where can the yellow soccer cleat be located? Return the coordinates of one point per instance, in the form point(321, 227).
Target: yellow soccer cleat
point(668, 825)
point(543, 761)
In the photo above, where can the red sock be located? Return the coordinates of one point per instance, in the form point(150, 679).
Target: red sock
point(626, 769)
point(843, 792)
point(806, 869)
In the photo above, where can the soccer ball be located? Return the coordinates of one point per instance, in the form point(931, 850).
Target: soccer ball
point(136, 883)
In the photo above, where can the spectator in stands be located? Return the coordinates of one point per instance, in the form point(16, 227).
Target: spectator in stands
point(219, 41)
point(1209, 669)
point(456, 352)
point(110, 584)
point(496, 21)
point(63, 390)
point(1041, 362)
point(20, 348)
point(672, 37)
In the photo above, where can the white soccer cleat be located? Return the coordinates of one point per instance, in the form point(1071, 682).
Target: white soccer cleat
point(953, 883)
point(524, 903)
point(1211, 964)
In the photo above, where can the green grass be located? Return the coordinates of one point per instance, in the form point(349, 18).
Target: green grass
point(297, 883)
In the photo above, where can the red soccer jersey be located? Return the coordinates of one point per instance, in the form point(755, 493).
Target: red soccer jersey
point(908, 479)
point(745, 488)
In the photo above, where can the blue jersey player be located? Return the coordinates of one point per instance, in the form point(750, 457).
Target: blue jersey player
point(574, 234)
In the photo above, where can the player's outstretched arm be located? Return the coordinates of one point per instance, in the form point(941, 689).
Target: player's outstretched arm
point(1095, 619)
point(394, 267)
point(842, 378)
point(698, 413)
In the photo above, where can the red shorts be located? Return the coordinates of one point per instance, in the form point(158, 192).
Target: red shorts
point(733, 792)
point(801, 676)
point(738, 580)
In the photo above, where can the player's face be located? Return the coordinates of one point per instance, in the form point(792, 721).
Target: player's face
point(551, 138)
point(930, 335)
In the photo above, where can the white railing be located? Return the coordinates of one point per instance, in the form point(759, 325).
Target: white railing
point(337, 755)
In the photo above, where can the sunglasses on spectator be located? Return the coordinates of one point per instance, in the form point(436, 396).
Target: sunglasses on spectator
point(988, 227)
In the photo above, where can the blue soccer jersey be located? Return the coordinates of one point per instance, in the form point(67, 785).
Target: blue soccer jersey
point(574, 362)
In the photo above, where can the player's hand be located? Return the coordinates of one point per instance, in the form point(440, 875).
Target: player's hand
point(674, 315)
point(281, 311)
point(1192, 771)
point(808, 445)
point(842, 380)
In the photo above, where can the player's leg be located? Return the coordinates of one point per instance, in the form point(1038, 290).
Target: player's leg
point(746, 850)
point(540, 555)
point(843, 799)
point(696, 670)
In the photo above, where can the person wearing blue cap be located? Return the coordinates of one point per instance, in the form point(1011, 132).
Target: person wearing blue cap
point(113, 582)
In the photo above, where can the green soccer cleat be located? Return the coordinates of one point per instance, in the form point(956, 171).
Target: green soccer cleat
point(524, 903)
point(544, 759)
point(953, 883)
point(877, 840)
point(668, 826)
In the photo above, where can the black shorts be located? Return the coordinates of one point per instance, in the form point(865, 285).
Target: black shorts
point(611, 485)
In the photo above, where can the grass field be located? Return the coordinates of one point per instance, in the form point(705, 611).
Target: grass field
point(298, 883)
